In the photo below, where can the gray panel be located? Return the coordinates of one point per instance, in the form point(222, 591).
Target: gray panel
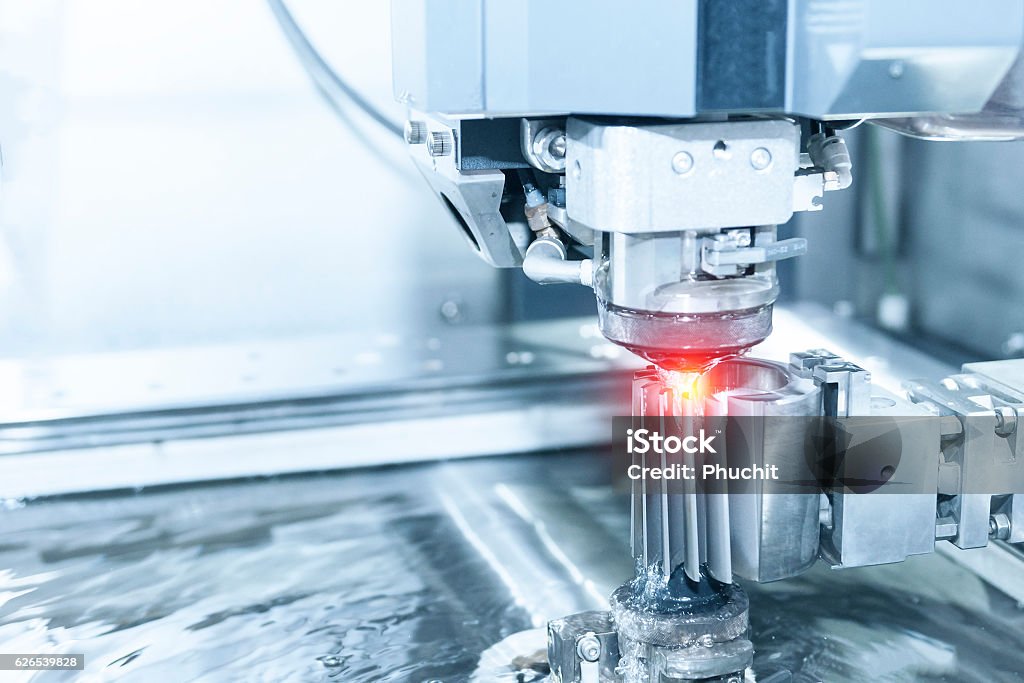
point(813, 57)
point(606, 56)
point(437, 54)
point(879, 56)
point(588, 56)
point(506, 73)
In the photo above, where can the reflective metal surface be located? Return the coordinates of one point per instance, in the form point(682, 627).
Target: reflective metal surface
point(416, 573)
point(505, 389)
point(333, 401)
point(436, 571)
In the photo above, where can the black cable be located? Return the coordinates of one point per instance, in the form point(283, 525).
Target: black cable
point(328, 83)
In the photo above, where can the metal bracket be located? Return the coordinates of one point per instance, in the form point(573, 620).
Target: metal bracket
point(543, 143)
point(718, 253)
point(845, 388)
point(583, 648)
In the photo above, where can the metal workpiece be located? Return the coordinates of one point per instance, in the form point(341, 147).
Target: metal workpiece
point(706, 640)
point(635, 643)
point(903, 477)
point(656, 177)
point(681, 618)
point(676, 526)
point(772, 536)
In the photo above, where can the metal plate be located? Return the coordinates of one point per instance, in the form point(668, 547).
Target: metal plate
point(691, 176)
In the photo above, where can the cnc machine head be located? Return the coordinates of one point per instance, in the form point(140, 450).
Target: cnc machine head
point(650, 151)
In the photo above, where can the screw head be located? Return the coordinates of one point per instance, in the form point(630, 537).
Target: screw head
point(415, 132)
point(896, 69)
point(682, 163)
point(440, 144)
point(589, 648)
point(760, 159)
point(549, 149)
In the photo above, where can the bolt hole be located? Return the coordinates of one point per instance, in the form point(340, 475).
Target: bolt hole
point(721, 150)
point(887, 472)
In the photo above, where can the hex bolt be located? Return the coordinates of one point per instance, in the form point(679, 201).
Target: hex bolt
point(440, 144)
point(682, 163)
point(588, 648)
point(760, 158)
point(999, 526)
point(548, 147)
point(415, 132)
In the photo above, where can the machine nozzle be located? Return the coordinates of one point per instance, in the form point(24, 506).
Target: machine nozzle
point(690, 342)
